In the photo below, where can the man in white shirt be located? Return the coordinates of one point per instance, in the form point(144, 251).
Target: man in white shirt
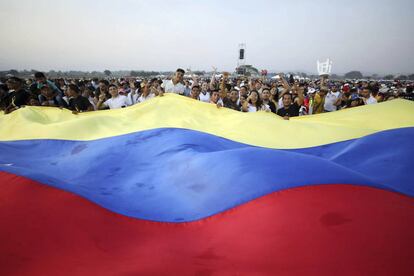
point(175, 85)
point(367, 96)
point(116, 101)
point(332, 99)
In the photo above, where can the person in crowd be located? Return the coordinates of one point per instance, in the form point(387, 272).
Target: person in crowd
point(60, 83)
point(222, 90)
point(103, 86)
point(77, 102)
point(367, 96)
point(156, 87)
point(215, 98)
point(88, 93)
point(254, 103)
point(204, 94)
point(149, 91)
point(274, 93)
point(41, 81)
point(243, 92)
point(135, 92)
point(290, 107)
point(232, 101)
point(319, 101)
point(284, 87)
point(258, 87)
point(116, 100)
point(124, 88)
point(16, 96)
point(225, 87)
point(354, 100)
point(175, 85)
point(195, 92)
point(332, 99)
point(266, 98)
point(49, 97)
point(187, 88)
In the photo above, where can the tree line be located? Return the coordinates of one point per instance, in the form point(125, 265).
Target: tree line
point(145, 74)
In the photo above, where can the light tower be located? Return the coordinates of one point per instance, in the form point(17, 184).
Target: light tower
point(241, 62)
point(242, 55)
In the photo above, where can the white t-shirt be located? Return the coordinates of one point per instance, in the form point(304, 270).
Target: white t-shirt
point(371, 100)
point(143, 99)
point(169, 87)
point(117, 102)
point(330, 99)
point(132, 98)
point(205, 98)
point(252, 108)
point(280, 103)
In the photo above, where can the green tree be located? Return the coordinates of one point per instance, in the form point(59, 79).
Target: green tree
point(354, 75)
point(334, 77)
point(14, 72)
point(389, 77)
point(402, 77)
point(107, 73)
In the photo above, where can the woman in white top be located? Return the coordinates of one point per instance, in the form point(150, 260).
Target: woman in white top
point(150, 90)
point(133, 95)
point(253, 103)
point(204, 94)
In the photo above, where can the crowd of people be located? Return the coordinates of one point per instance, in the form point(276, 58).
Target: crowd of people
point(284, 96)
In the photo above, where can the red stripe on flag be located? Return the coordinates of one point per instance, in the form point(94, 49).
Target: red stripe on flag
point(313, 230)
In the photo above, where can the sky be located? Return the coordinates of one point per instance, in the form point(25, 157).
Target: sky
point(365, 35)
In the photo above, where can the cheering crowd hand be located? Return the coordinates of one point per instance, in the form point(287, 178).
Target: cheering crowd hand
point(132, 86)
point(102, 97)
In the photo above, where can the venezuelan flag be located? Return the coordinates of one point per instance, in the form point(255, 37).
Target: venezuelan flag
point(174, 186)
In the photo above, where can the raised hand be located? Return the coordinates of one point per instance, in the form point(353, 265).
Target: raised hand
point(102, 97)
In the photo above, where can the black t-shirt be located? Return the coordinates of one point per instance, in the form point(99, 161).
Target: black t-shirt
point(18, 98)
point(79, 103)
point(292, 111)
point(230, 104)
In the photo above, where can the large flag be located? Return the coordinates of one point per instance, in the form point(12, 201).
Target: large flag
point(174, 186)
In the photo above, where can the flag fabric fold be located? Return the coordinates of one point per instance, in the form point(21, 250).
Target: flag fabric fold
point(175, 186)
